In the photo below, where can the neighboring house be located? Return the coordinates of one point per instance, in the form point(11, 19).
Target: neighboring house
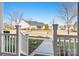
point(35, 24)
point(61, 27)
point(9, 26)
point(72, 27)
point(23, 24)
point(75, 26)
point(30, 24)
point(50, 27)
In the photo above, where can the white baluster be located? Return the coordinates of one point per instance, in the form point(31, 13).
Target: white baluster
point(12, 44)
point(6, 43)
point(69, 46)
point(59, 46)
point(64, 46)
point(3, 49)
point(9, 43)
point(74, 46)
point(15, 43)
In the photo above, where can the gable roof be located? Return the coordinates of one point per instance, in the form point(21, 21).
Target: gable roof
point(34, 23)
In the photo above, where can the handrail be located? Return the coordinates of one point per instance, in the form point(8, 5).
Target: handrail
point(67, 36)
point(23, 34)
point(24, 43)
point(7, 34)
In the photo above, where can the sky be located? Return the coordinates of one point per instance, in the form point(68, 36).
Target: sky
point(39, 11)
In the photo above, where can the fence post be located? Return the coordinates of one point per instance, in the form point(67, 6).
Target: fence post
point(55, 38)
point(18, 43)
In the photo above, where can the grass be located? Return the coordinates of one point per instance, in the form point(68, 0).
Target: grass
point(33, 44)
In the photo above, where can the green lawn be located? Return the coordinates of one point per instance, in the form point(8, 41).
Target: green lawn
point(33, 44)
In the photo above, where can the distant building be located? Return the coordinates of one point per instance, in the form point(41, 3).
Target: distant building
point(30, 24)
point(75, 26)
point(62, 27)
point(8, 26)
point(35, 24)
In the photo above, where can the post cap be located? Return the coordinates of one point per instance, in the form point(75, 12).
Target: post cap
point(55, 26)
point(18, 25)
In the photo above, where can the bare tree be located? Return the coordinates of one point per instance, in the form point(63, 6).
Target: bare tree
point(68, 12)
point(15, 16)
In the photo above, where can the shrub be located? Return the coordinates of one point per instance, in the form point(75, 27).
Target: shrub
point(6, 31)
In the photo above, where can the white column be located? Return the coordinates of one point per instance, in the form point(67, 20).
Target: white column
point(55, 38)
point(18, 43)
point(1, 24)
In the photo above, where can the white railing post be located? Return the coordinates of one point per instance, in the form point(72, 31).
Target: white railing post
point(18, 43)
point(55, 38)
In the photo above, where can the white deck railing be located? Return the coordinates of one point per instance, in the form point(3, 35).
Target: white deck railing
point(24, 43)
point(9, 43)
point(14, 44)
point(64, 45)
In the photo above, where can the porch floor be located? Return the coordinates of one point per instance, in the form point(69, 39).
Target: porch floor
point(45, 48)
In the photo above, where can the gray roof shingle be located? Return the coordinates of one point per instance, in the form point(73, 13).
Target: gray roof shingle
point(34, 23)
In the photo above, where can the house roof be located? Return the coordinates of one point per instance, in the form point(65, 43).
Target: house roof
point(34, 23)
point(24, 24)
point(8, 25)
